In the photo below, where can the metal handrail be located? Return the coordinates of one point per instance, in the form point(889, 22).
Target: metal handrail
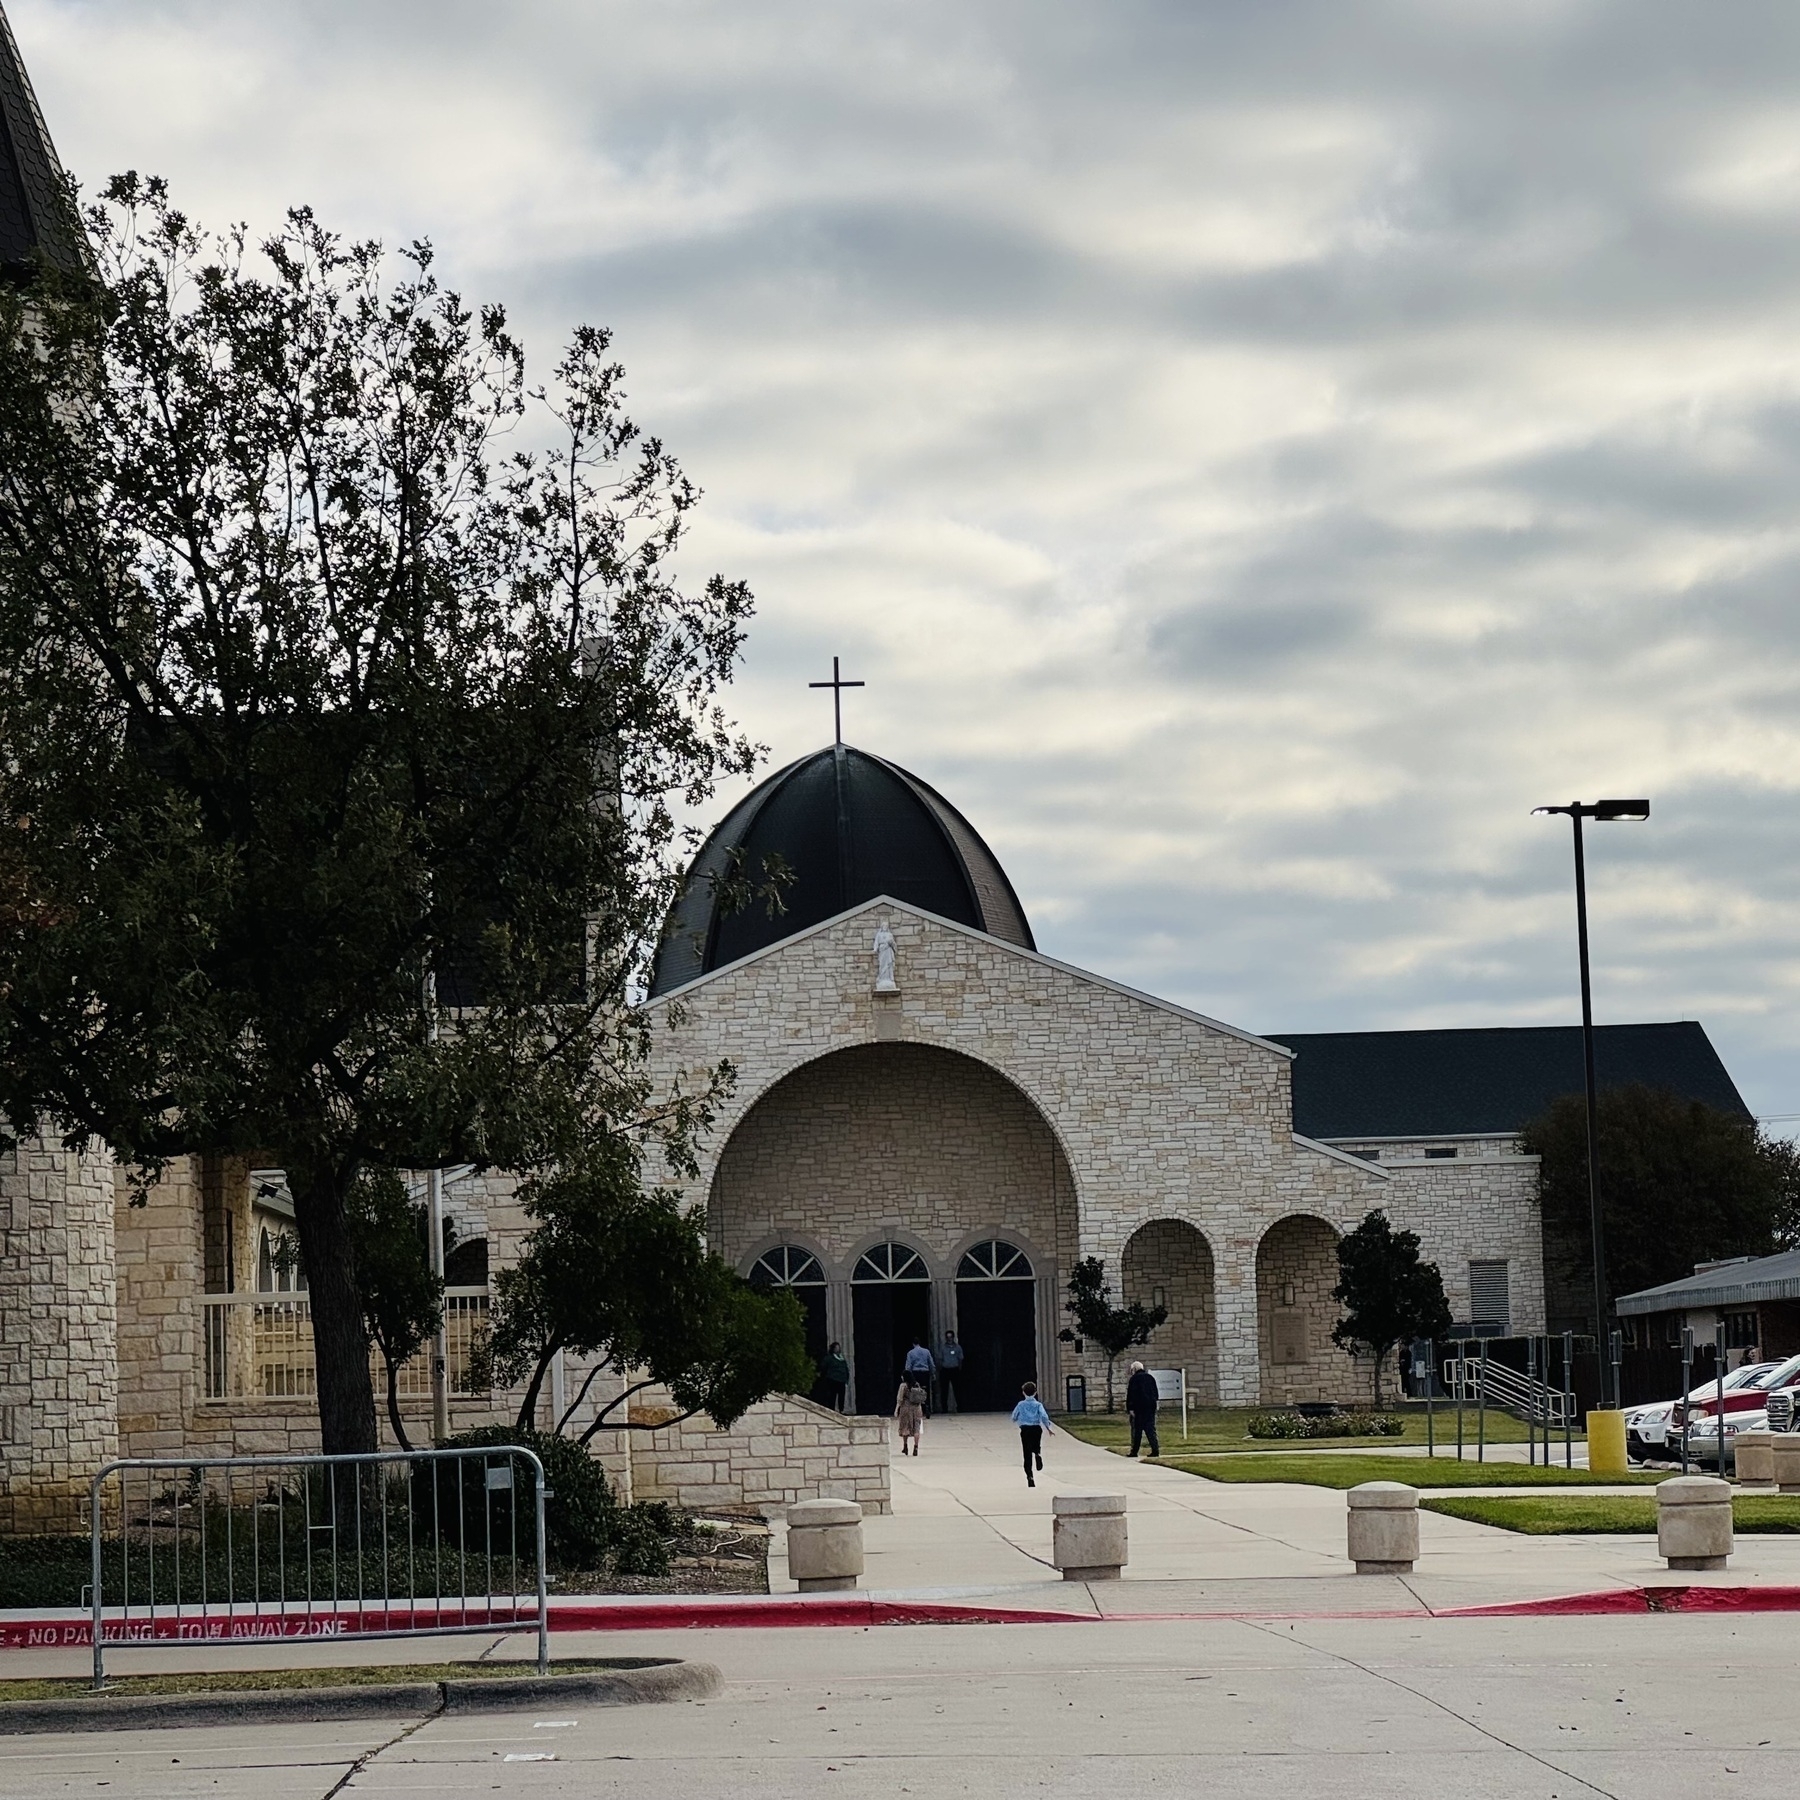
point(311, 1545)
point(1470, 1379)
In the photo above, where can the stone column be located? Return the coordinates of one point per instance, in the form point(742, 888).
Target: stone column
point(1234, 1305)
point(59, 1375)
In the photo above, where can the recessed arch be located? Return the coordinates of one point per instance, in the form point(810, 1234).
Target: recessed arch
point(900, 1143)
point(1170, 1261)
point(1296, 1269)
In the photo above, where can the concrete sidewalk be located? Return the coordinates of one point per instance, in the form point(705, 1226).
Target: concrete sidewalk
point(965, 1521)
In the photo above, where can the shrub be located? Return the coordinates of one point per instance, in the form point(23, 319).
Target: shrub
point(584, 1523)
point(1336, 1425)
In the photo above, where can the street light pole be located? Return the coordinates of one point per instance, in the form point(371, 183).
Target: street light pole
point(1597, 1223)
point(1606, 811)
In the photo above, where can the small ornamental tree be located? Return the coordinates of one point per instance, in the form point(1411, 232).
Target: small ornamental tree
point(402, 1300)
point(623, 1277)
point(1115, 1329)
point(1389, 1294)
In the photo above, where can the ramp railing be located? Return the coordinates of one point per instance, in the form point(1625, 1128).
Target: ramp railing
point(1493, 1383)
point(395, 1544)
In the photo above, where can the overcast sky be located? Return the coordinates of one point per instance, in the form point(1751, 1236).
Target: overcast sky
point(1253, 452)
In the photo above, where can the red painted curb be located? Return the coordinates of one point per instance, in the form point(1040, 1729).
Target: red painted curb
point(70, 1631)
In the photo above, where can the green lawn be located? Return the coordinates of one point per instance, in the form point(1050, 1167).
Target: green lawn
point(1214, 1429)
point(1542, 1515)
point(1313, 1470)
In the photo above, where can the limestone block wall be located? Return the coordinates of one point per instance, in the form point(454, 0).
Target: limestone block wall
point(1296, 1269)
point(161, 1252)
point(782, 1450)
point(58, 1321)
point(1158, 1111)
point(1480, 1205)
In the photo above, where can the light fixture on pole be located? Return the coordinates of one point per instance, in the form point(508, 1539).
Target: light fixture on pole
point(1606, 812)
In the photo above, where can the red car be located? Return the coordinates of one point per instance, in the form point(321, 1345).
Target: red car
point(1753, 1396)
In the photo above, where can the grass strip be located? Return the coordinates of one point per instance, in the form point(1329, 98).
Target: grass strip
point(1557, 1515)
point(1213, 1430)
point(1313, 1469)
point(258, 1681)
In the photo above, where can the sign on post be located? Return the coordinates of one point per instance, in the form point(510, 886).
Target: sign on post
point(1171, 1384)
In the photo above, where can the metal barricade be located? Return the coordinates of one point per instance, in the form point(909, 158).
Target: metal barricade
point(420, 1543)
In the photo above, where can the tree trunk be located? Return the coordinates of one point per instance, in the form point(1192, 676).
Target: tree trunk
point(393, 1401)
point(340, 1338)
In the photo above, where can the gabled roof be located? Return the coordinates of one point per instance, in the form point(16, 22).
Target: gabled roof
point(1730, 1284)
point(1415, 1084)
point(36, 221)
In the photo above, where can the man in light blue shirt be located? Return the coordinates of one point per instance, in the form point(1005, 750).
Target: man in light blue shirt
point(921, 1367)
point(1033, 1422)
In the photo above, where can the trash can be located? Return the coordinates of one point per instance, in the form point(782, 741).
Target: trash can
point(1075, 1394)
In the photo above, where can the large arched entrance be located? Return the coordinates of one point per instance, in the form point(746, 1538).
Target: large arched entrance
point(1169, 1263)
point(932, 1151)
point(1296, 1269)
point(797, 1272)
point(996, 1319)
point(891, 1311)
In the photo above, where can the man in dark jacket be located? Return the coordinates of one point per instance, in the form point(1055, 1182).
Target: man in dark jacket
point(1140, 1407)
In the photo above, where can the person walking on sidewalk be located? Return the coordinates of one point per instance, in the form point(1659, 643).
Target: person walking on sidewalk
point(950, 1362)
point(834, 1369)
point(1033, 1422)
point(1140, 1408)
point(909, 1411)
point(922, 1369)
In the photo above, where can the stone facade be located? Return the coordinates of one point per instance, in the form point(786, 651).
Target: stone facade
point(782, 1450)
point(1159, 1112)
point(1168, 1261)
point(59, 1395)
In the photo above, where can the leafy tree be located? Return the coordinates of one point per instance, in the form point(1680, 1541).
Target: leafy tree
point(1680, 1183)
point(336, 660)
point(1115, 1329)
point(1389, 1294)
point(622, 1276)
point(402, 1299)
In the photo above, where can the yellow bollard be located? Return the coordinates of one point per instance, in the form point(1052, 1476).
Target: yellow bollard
point(1606, 1443)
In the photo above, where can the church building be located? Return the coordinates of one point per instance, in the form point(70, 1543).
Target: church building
point(933, 1121)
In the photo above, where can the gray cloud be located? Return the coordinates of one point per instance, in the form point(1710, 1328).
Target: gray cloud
point(1255, 453)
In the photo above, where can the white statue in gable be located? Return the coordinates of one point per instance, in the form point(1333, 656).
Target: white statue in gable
point(884, 960)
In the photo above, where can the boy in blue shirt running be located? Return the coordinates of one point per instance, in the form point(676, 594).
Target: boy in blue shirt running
point(1033, 1422)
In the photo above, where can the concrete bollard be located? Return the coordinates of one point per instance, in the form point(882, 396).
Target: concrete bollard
point(825, 1545)
point(1384, 1527)
point(1754, 1454)
point(1088, 1539)
point(1693, 1521)
point(1785, 1461)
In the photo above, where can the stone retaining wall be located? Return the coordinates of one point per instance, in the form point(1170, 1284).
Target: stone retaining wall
point(780, 1451)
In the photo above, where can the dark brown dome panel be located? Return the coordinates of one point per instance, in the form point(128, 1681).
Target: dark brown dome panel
point(849, 827)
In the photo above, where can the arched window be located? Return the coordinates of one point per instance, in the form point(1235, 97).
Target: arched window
point(994, 1260)
point(787, 1266)
point(890, 1262)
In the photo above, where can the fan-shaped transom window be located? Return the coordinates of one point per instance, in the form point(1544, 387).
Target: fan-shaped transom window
point(890, 1262)
point(995, 1260)
point(787, 1266)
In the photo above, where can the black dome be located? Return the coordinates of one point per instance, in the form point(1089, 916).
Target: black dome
point(850, 827)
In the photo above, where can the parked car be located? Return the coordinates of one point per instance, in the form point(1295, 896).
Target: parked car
point(1703, 1438)
point(1750, 1395)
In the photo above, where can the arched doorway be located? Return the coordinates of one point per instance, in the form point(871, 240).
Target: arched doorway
point(797, 1272)
point(890, 1309)
point(996, 1319)
point(1296, 1269)
point(1168, 1262)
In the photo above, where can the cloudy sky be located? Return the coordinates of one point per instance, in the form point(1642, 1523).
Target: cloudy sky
point(1254, 453)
